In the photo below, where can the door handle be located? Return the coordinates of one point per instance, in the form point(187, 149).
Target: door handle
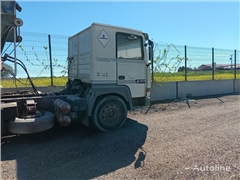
point(121, 77)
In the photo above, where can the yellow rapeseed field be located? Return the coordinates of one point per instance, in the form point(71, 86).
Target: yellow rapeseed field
point(61, 81)
point(42, 81)
point(174, 78)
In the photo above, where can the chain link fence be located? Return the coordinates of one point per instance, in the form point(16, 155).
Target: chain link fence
point(187, 63)
point(45, 57)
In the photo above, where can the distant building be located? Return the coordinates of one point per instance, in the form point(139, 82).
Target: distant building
point(218, 66)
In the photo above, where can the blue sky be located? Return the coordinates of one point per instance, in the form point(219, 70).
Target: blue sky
point(195, 24)
point(200, 24)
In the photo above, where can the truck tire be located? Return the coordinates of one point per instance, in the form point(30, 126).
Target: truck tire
point(31, 125)
point(109, 114)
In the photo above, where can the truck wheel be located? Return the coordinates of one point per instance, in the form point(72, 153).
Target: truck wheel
point(109, 114)
point(31, 125)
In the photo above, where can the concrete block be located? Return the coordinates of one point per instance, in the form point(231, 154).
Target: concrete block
point(204, 88)
point(236, 85)
point(163, 91)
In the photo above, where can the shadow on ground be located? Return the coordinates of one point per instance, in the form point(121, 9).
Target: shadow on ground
point(75, 152)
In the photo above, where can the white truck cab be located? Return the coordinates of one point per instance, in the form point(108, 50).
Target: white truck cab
point(104, 54)
point(111, 66)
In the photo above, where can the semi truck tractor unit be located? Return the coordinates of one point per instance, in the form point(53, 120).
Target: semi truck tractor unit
point(108, 75)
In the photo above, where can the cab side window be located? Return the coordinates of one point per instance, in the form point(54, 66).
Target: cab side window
point(129, 46)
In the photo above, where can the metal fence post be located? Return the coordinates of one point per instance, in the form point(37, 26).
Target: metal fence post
point(152, 64)
point(185, 48)
point(235, 64)
point(152, 72)
point(50, 57)
point(213, 65)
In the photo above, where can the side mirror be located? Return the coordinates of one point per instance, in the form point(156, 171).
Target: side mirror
point(150, 55)
point(150, 50)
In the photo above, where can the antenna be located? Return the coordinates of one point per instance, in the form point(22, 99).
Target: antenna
point(106, 21)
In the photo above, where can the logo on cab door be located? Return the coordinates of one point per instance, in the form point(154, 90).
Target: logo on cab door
point(140, 81)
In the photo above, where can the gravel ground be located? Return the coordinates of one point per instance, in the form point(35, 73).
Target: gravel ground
point(188, 139)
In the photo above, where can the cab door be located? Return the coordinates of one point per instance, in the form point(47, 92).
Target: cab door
point(131, 66)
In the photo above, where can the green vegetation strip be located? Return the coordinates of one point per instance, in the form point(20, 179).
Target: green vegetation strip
point(194, 76)
point(41, 81)
point(158, 77)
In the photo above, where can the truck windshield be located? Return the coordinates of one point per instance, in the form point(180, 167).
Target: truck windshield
point(129, 46)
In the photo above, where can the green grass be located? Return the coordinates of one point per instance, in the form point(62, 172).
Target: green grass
point(158, 77)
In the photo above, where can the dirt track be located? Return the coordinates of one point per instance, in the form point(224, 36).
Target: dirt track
point(180, 140)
